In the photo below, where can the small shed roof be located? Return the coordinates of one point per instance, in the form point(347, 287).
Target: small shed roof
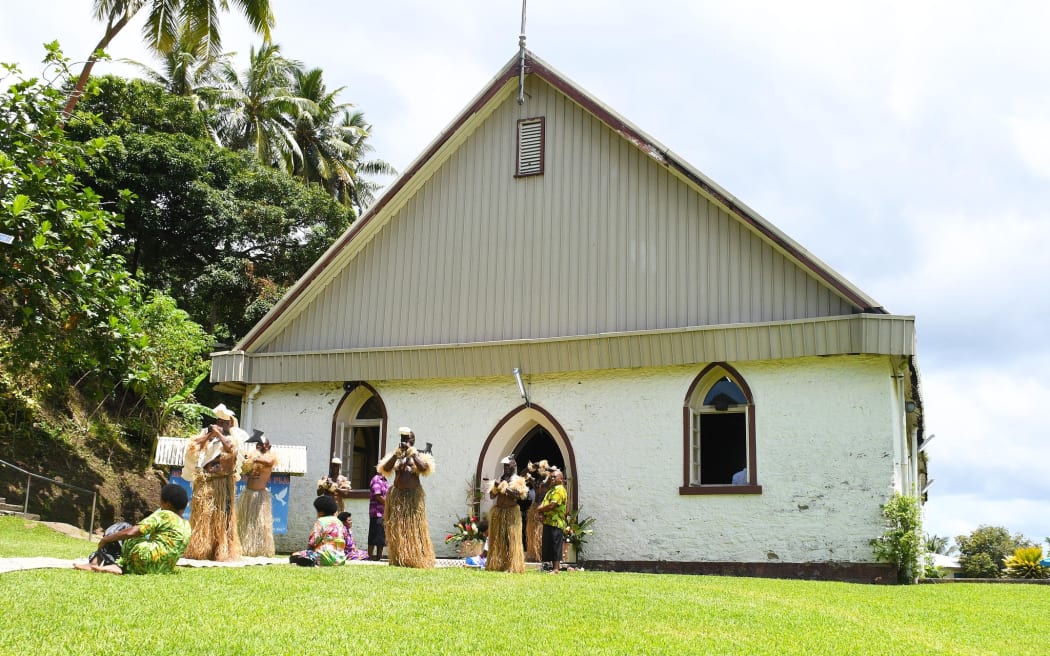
point(290, 459)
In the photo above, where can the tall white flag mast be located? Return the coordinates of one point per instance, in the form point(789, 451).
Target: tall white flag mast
point(521, 48)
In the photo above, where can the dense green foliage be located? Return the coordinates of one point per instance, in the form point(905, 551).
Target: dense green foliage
point(982, 553)
point(72, 314)
point(88, 356)
point(138, 232)
point(285, 609)
point(63, 300)
point(901, 544)
point(216, 229)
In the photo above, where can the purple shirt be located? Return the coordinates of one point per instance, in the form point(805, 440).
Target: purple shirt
point(378, 486)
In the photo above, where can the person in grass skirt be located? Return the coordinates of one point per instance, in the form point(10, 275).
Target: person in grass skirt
point(405, 513)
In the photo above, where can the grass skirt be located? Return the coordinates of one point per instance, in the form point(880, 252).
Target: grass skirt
point(213, 520)
point(255, 523)
point(505, 552)
point(533, 535)
point(407, 533)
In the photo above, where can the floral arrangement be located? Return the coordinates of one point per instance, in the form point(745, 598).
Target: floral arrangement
point(465, 530)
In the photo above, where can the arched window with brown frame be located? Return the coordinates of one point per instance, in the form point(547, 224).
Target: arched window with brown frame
point(357, 434)
point(719, 434)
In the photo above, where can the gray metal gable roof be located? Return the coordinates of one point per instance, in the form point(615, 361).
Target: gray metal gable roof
point(444, 200)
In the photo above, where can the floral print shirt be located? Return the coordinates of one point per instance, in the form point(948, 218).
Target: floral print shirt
point(164, 538)
point(379, 487)
point(555, 516)
point(329, 541)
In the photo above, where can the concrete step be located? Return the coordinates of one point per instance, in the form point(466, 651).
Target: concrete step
point(9, 506)
point(19, 513)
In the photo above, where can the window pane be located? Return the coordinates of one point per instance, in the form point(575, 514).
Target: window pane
point(370, 410)
point(365, 455)
point(723, 443)
point(727, 388)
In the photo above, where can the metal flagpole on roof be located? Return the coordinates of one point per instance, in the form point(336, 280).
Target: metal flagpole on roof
point(521, 48)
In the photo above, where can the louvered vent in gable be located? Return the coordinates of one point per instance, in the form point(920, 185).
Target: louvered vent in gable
point(530, 147)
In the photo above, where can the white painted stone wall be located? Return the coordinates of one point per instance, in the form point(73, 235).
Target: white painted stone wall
point(825, 429)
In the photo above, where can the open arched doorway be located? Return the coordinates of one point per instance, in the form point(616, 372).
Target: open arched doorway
point(531, 433)
point(538, 444)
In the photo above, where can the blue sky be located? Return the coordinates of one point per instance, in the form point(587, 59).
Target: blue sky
point(905, 144)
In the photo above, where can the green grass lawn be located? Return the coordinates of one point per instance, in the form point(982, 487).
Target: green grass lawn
point(373, 609)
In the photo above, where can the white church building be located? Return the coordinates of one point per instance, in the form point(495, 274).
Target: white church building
point(547, 280)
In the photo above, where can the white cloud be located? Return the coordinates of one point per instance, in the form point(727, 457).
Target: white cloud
point(960, 514)
point(1030, 135)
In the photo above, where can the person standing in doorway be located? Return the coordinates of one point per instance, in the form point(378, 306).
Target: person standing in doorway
point(552, 510)
point(335, 485)
point(505, 548)
point(405, 514)
point(539, 475)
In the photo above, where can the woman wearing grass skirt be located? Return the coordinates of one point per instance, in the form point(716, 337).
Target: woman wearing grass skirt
point(506, 553)
point(212, 459)
point(405, 511)
point(537, 474)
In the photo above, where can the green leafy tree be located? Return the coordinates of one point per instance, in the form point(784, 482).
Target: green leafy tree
point(217, 230)
point(65, 302)
point(172, 354)
point(901, 544)
point(166, 20)
point(983, 552)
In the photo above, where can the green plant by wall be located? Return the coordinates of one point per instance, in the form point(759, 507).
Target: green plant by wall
point(902, 542)
point(1025, 564)
point(577, 530)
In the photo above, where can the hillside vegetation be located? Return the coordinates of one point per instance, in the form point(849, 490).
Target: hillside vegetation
point(78, 442)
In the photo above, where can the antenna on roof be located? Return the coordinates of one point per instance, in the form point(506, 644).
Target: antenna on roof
point(521, 48)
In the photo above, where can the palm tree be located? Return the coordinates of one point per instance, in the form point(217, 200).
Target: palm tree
point(188, 69)
point(938, 544)
point(361, 192)
point(332, 141)
point(254, 107)
point(322, 146)
point(166, 19)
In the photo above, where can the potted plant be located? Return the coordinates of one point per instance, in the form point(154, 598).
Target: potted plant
point(577, 530)
point(465, 532)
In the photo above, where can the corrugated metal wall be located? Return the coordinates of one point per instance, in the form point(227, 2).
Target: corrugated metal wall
point(861, 333)
point(605, 241)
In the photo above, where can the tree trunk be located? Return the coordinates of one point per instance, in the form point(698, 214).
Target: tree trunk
point(112, 29)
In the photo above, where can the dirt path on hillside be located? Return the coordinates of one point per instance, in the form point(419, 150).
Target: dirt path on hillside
point(66, 529)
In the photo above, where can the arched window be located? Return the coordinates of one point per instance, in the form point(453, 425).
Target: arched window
point(719, 418)
point(357, 435)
